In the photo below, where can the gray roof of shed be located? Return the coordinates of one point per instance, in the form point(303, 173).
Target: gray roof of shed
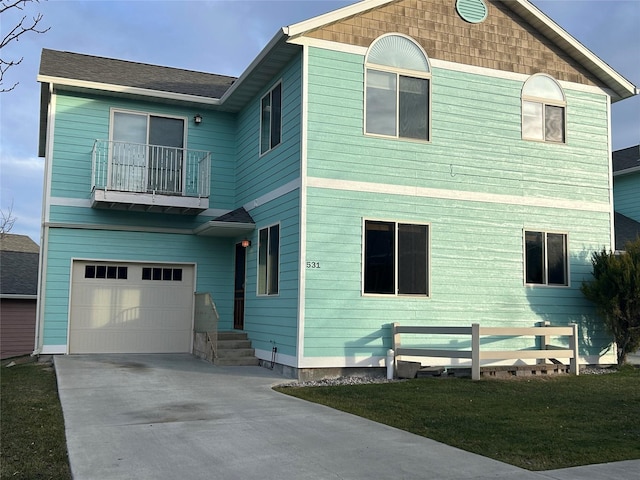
point(124, 73)
point(18, 243)
point(19, 273)
point(626, 158)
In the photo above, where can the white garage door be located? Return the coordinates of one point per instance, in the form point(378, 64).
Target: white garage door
point(131, 308)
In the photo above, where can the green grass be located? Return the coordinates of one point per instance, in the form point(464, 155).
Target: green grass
point(538, 424)
point(33, 444)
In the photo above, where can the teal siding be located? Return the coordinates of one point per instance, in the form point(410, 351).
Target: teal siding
point(476, 248)
point(476, 270)
point(213, 256)
point(272, 320)
point(475, 144)
point(626, 195)
point(257, 175)
point(81, 119)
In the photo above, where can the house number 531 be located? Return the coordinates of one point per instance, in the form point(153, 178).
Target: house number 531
point(313, 264)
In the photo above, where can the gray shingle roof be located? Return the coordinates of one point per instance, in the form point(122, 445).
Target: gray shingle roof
point(627, 229)
point(18, 243)
point(239, 215)
point(18, 273)
point(626, 158)
point(76, 66)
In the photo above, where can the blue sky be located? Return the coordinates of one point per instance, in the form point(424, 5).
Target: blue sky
point(224, 37)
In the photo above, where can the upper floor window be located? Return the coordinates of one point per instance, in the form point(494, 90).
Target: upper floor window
point(396, 258)
point(271, 119)
point(546, 258)
point(543, 110)
point(397, 94)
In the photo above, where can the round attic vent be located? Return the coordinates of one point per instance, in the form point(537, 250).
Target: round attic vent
point(472, 11)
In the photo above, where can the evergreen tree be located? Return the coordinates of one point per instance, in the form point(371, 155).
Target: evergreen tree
point(615, 289)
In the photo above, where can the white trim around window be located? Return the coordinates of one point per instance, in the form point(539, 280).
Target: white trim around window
point(268, 261)
point(271, 118)
point(546, 258)
point(544, 110)
point(396, 258)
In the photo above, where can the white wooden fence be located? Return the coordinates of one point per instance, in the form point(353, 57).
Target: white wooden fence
point(476, 354)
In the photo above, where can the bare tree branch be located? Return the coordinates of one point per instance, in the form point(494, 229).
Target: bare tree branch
point(15, 33)
point(7, 220)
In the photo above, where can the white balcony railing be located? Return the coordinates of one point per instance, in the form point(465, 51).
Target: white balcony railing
point(155, 169)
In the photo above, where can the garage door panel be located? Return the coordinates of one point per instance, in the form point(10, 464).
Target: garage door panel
point(140, 309)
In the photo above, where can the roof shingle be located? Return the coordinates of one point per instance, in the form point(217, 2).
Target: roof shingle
point(124, 73)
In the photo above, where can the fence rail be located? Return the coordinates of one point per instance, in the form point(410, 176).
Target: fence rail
point(142, 168)
point(476, 354)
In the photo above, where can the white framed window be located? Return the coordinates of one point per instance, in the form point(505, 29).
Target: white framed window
point(147, 152)
point(543, 110)
point(395, 258)
point(546, 258)
point(269, 260)
point(397, 89)
point(271, 119)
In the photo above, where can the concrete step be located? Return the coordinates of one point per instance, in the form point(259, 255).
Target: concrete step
point(236, 352)
point(230, 344)
point(237, 362)
point(232, 336)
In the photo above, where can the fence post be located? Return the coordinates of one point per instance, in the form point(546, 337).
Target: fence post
point(574, 367)
point(475, 351)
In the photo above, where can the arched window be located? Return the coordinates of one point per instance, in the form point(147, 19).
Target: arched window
point(543, 110)
point(397, 94)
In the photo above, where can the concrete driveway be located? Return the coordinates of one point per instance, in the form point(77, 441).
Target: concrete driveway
point(176, 417)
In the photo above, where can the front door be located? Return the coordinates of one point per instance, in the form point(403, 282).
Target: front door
point(238, 302)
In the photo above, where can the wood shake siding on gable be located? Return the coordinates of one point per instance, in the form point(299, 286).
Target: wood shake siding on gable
point(504, 41)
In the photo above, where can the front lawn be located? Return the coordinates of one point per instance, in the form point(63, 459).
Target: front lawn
point(33, 444)
point(538, 423)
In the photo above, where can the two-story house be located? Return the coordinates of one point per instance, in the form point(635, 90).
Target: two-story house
point(626, 194)
point(429, 162)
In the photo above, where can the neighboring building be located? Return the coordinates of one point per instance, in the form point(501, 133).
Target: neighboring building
point(428, 162)
point(18, 294)
point(626, 194)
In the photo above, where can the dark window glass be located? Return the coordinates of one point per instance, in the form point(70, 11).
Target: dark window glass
point(274, 258)
point(379, 251)
point(112, 272)
point(166, 274)
point(146, 273)
point(157, 273)
point(90, 271)
point(534, 244)
point(122, 273)
point(412, 259)
point(557, 259)
point(276, 115)
point(177, 274)
point(101, 271)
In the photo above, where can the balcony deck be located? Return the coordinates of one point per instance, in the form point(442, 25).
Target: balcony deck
point(150, 178)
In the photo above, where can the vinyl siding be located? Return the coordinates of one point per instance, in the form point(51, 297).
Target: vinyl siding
point(213, 258)
point(477, 271)
point(257, 175)
point(82, 118)
point(272, 320)
point(475, 143)
point(626, 195)
point(18, 327)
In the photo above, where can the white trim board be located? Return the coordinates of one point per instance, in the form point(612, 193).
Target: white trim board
point(412, 191)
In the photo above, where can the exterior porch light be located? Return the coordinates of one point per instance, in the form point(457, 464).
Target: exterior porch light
point(246, 243)
point(197, 119)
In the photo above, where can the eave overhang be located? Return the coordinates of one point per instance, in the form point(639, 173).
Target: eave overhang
point(216, 228)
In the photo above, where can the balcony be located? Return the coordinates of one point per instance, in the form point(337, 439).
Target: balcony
point(150, 178)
